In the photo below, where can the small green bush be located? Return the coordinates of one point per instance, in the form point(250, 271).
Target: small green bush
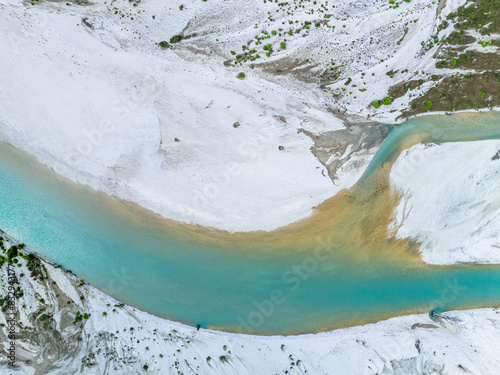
point(282, 45)
point(12, 252)
point(376, 104)
point(453, 62)
point(441, 64)
point(241, 75)
point(481, 94)
point(387, 100)
point(176, 39)
point(163, 44)
point(428, 104)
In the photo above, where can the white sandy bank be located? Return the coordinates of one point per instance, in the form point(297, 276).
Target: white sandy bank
point(451, 200)
point(105, 106)
point(155, 128)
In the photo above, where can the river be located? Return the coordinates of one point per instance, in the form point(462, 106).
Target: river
point(333, 270)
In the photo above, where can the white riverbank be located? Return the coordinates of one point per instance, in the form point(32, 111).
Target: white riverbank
point(108, 114)
point(451, 201)
point(108, 108)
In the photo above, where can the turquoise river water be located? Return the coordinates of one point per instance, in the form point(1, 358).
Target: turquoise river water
point(134, 256)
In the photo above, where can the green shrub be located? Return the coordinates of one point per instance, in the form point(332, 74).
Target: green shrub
point(282, 45)
point(485, 44)
point(12, 252)
point(163, 44)
point(481, 94)
point(273, 32)
point(241, 75)
point(349, 80)
point(376, 104)
point(176, 39)
point(428, 104)
point(441, 64)
point(387, 100)
point(453, 62)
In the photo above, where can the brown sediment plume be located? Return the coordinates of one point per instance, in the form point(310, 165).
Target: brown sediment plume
point(355, 221)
